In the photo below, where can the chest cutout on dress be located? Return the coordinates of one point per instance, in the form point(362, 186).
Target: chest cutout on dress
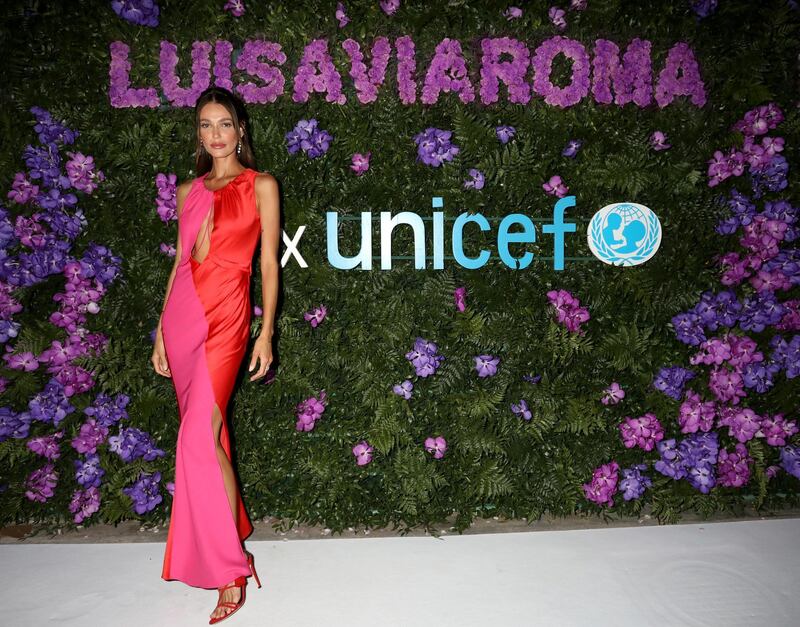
point(203, 243)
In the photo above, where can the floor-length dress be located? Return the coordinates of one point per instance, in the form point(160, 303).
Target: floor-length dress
point(205, 326)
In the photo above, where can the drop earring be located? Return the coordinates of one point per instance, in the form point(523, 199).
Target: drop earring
point(239, 148)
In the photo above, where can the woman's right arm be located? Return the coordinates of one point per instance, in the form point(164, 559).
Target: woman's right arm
point(182, 192)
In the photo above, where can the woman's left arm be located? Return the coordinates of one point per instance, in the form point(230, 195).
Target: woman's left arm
point(268, 204)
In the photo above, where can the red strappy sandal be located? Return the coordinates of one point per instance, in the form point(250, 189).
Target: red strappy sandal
point(252, 567)
point(239, 582)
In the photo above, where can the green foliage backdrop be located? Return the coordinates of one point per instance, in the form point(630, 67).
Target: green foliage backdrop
point(56, 55)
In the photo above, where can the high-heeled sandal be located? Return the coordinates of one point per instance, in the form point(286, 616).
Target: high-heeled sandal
point(239, 582)
point(250, 562)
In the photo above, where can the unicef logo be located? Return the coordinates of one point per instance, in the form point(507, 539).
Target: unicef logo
point(624, 234)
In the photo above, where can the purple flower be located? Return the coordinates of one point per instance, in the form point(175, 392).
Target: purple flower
point(603, 485)
point(166, 200)
point(132, 443)
point(572, 148)
point(772, 178)
point(556, 16)
point(424, 357)
point(434, 147)
point(389, 6)
point(613, 394)
point(696, 414)
point(568, 310)
point(671, 463)
point(14, 424)
point(46, 445)
point(733, 468)
point(88, 472)
point(486, 365)
point(144, 492)
point(404, 389)
point(512, 13)
point(727, 385)
point(460, 295)
point(52, 403)
point(644, 431)
point(363, 453)
point(776, 429)
point(108, 410)
point(25, 361)
point(360, 163)
point(316, 316)
point(41, 483)
point(521, 409)
point(141, 12)
point(671, 379)
point(790, 459)
point(633, 482)
point(90, 437)
point(760, 375)
point(477, 180)
point(309, 411)
point(505, 133)
point(340, 15)
point(759, 120)
point(84, 503)
point(658, 141)
point(307, 138)
point(437, 446)
point(236, 7)
point(704, 8)
point(555, 187)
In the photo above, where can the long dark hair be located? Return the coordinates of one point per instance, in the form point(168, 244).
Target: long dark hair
point(234, 105)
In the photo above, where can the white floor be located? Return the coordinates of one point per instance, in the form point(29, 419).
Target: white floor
point(720, 574)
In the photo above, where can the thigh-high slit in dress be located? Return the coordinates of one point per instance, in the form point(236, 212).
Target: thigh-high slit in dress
point(205, 326)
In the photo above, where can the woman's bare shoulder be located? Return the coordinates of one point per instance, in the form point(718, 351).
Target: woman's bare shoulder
point(265, 181)
point(264, 176)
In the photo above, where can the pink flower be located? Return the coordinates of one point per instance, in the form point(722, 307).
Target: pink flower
point(603, 484)
point(512, 13)
point(556, 16)
point(613, 394)
point(437, 446)
point(340, 15)
point(556, 187)
point(316, 316)
point(460, 296)
point(389, 6)
point(360, 163)
point(658, 141)
point(363, 453)
point(236, 7)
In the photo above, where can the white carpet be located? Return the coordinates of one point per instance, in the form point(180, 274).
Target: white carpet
point(719, 574)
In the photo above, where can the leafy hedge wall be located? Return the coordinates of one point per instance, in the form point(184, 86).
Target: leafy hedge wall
point(57, 56)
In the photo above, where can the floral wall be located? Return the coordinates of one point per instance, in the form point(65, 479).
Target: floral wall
point(521, 385)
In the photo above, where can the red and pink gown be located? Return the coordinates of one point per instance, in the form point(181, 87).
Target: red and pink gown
point(205, 326)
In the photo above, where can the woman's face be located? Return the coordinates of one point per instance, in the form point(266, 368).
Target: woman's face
point(217, 132)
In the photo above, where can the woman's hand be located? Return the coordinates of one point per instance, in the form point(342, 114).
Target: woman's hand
point(159, 357)
point(262, 351)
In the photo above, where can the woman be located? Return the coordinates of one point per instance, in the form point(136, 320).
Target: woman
point(201, 340)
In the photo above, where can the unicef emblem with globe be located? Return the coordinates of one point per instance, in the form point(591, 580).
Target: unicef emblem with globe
point(624, 234)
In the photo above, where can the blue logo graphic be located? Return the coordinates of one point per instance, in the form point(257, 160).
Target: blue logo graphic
point(624, 234)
